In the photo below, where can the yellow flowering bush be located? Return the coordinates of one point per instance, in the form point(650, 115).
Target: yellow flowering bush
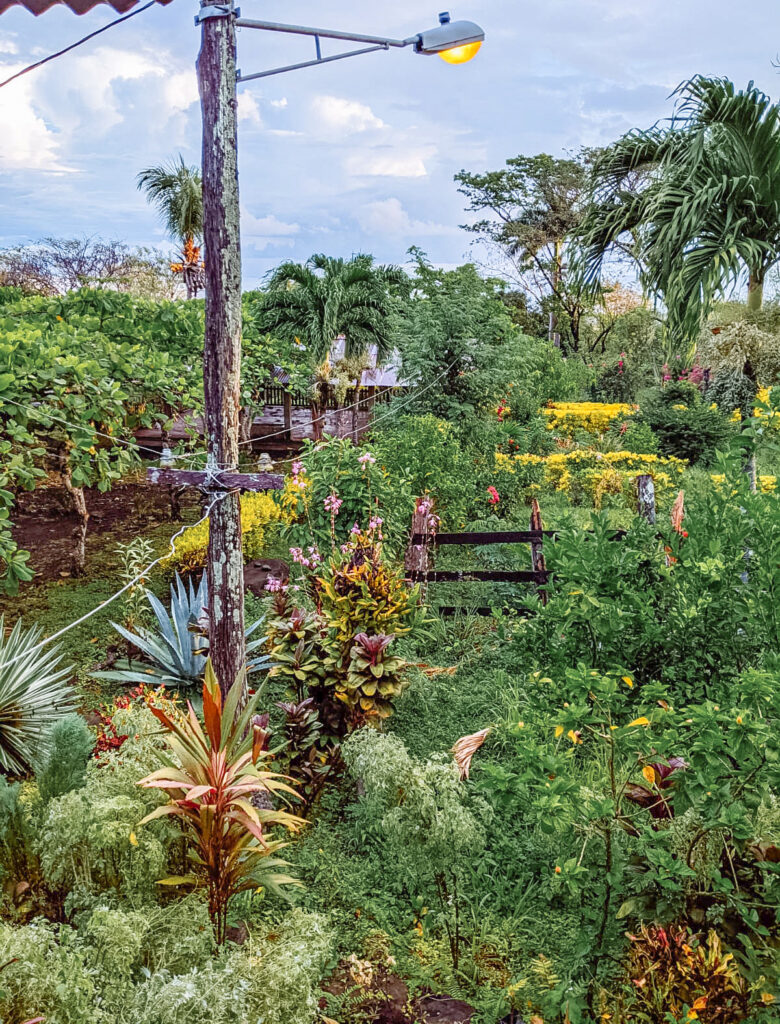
point(588, 474)
point(767, 484)
point(592, 417)
point(258, 512)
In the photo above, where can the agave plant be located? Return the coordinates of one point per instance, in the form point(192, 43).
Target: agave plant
point(34, 694)
point(178, 650)
point(211, 778)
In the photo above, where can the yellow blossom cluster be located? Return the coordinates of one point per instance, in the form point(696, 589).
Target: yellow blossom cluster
point(767, 484)
point(592, 417)
point(258, 512)
point(586, 473)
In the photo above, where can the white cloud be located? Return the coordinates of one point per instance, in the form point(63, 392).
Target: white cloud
point(8, 46)
point(336, 115)
point(28, 143)
point(392, 163)
point(180, 91)
point(268, 230)
point(280, 104)
point(248, 110)
point(388, 217)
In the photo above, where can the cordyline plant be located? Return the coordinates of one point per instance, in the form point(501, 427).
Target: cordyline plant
point(212, 776)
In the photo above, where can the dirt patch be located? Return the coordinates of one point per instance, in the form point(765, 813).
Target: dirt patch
point(44, 527)
point(257, 574)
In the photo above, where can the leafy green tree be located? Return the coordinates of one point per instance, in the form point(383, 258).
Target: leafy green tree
point(700, 198)
point(459, 348)
point(529, 212)
point(176, 191)
point(315, 302)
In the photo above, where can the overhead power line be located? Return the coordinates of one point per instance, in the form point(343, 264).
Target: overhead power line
point(85, 39)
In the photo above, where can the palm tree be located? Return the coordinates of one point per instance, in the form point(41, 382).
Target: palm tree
point(176, 190)
point(319, 300)
point(700, 197)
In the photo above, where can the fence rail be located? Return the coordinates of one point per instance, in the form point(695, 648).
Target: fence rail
point(424, 540)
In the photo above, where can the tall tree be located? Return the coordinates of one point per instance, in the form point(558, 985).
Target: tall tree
point(176, 191)
point(701, 198)
point(324, 298)
point(529, 211)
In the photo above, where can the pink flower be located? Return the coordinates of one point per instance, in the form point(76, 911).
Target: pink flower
point(355, 530)
point(298, 556)
point(298, 467)
point(374, 523)
point(274, 585)
point(494, 496)
point(332, 504)
point(366, 458)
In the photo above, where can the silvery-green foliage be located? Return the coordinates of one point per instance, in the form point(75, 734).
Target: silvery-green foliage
point(49, 973)
point(88, 838)
point(273, 981)
point(64, 767)
point(428, 816)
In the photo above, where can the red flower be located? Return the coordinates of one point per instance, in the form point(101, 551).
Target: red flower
point(494, 496)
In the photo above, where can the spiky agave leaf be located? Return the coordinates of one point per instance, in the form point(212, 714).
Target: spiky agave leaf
point(34, 694)
point(178, 650)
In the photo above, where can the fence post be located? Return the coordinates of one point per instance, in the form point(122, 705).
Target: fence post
point(645, 497)
point(287, 405)
point(416, 558)
point(538, 563)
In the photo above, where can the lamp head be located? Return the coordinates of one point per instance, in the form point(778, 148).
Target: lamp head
point(454, 41)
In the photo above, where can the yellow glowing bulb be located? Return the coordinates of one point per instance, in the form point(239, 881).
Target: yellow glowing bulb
point(460, 54)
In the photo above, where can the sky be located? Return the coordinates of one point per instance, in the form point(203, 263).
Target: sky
point(354, 156)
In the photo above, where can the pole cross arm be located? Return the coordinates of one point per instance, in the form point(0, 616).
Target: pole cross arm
point(323, 33)
point(221, 481)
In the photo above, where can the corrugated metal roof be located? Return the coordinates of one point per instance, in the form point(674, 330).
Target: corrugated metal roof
point(77, 6)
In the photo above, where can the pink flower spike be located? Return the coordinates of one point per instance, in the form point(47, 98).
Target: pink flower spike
point(332, 504)
point(366, 458)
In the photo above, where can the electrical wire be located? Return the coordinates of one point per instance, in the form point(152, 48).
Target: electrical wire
point(174, 538)
point(379, 419)
point(79, 42)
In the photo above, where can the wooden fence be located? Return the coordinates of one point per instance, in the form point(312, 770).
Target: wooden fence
point(424, 540)
point(278, 395)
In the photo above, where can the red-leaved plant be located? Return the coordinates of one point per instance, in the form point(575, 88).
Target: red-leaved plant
point(211, 777)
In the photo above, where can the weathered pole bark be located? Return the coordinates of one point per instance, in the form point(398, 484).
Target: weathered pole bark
point(645, 497)
point(222, 343)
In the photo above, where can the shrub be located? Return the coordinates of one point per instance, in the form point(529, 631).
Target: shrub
point(209, 779)
point(362, 489)
point(428, 455)
point(88, 839)
point(65, 767)
point(48, 973)
point(259, 513)
point(593, 417)
point(434, 832)
point(685, 424)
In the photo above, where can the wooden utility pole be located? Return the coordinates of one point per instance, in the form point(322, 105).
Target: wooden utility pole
point(222, 344)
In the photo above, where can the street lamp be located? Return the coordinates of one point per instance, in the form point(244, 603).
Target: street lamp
point(454, 41)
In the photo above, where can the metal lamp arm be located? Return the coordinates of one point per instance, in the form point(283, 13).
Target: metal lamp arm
point(325, 33)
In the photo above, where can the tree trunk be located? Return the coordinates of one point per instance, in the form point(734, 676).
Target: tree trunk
point(552, 330)
point(755, 297)
point(79, 553)
point(222, 343)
